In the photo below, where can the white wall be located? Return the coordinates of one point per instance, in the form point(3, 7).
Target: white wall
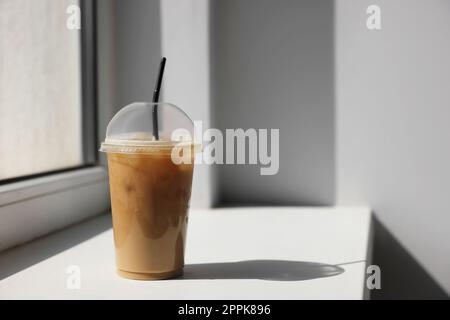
point(137, 48)
point(129, 50)
point(185, 44)
point(133, 36)
point(393, 132)
point(288, 84)
point(272, 67)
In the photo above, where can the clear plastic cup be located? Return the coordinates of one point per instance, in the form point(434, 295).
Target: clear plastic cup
point(150, 184)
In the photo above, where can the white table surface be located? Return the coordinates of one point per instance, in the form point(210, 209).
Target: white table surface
point(233, 253)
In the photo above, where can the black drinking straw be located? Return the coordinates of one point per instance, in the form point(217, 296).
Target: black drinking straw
point(156, 98)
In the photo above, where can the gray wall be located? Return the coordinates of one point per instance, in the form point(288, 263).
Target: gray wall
point(272, 67)
point(393, 133)
point(132, 37)
point(137, 49)
point(129, 50)
point(186, 78)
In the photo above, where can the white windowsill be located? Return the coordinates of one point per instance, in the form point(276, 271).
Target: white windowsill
point(35, 207)
point(299, 248)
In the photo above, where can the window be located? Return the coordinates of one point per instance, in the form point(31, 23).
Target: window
point(41, 104)
point(49, 176)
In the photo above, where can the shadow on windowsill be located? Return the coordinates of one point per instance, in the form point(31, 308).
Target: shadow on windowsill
point(275, 270)
point(21, 257)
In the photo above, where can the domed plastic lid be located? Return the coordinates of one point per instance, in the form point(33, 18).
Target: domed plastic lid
point(133, 129)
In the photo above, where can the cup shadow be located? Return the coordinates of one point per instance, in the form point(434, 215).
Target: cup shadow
point(272, 270)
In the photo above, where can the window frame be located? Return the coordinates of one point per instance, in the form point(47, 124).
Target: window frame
point(34, 205)
point(89, 81)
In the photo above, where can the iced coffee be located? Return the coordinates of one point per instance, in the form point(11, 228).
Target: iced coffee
point(150, 195)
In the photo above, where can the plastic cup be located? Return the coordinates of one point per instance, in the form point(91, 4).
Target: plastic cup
point(150, 184)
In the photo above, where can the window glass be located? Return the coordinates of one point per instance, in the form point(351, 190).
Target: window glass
point(40, 88)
